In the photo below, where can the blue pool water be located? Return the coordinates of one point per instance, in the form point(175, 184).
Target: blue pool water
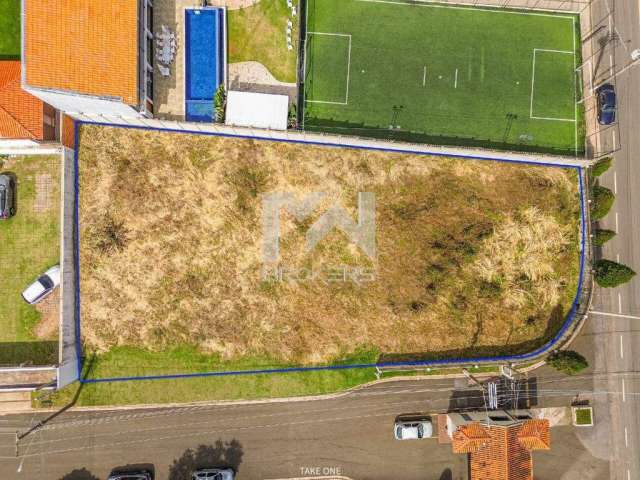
point(204, 29)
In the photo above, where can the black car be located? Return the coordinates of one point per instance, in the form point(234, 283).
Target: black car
point(7, 197)
point(606, 104)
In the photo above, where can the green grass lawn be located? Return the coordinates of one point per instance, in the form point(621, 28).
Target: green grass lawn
point(258, 33)
point(132, 361)
point(443, 74)
point(584, 416)
point(29, 245)
point(9, 29)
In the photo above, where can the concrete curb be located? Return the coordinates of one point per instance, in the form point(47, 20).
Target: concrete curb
point(307, 398)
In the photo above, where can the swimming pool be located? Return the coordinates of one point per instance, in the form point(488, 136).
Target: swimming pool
point(204, 61)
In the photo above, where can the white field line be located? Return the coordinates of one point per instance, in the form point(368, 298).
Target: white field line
point(426, 3)
point(346, 100)
point(575, 89)
point(424, 76)
point(533, 81)
point(455, 82)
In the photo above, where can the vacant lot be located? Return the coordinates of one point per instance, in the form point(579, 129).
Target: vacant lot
point(443, 74)
point(471, 257)
point(29, 245)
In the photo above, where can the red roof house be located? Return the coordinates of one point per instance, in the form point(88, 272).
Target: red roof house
point(501, 452)
point(22, 115)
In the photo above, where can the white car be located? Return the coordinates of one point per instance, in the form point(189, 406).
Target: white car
point(43, 286)
point(213, 474)
point(413, 429)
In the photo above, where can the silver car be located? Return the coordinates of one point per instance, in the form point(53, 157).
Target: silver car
point(413, 429)
point(7, 197)
point(43, 286)
point(213, 474)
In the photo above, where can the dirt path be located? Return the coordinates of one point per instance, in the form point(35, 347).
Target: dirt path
point(255, 73)
point(47, 329)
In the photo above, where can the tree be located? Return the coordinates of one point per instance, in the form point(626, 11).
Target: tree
point(567, 361)
point(602, 236)
point(601, 167)
point(612, 274)
point(601, 202)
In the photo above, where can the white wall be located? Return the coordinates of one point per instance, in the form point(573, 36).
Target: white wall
point(84, 105)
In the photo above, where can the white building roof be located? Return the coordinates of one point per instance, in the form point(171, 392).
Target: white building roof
point(260, 110)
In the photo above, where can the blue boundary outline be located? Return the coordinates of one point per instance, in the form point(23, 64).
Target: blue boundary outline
point(424, 363)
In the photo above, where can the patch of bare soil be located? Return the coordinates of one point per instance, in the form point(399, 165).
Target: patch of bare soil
point(49, 308)
point(469, 256)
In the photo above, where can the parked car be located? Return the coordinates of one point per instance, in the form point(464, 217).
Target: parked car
point(413, 429)
point(141, 475)
point(7, 197)
point(43, 286)
point(213, 474)
point(606, 95)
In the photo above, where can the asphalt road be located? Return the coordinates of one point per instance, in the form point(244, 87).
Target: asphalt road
point(350, 436)
point(612, 336)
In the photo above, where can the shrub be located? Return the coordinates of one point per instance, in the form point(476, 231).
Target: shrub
point(612, 274)
point(601, 167)
point(602, 236)
point(292, 121)
point(601, 202)
point(567, 361)
point(220, 103)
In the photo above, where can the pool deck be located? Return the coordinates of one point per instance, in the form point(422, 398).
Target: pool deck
point(168, 93)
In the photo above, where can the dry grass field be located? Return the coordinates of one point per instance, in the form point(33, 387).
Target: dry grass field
point(472, 256)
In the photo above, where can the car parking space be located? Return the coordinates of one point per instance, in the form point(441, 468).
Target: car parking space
point(29, 246)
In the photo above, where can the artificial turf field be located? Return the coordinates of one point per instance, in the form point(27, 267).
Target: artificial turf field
point(443, 74)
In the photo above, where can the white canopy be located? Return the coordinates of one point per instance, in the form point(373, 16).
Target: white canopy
point(259, 110)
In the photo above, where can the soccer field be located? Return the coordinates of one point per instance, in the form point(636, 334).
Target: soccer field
point(443, 74)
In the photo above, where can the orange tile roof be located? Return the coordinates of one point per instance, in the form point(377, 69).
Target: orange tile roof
point(83, 46)
point(21, 114)
point(470, 438)
point(499, 452)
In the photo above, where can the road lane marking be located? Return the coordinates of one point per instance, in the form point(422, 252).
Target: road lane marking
point(621, 348)
point(615, 176)
point(618, 257)
point(619, 305)
point(616, 222)
point(626, 437)
point(610, 64)
point(613, 134)
point(624, 392)
point(628, 474)
point(632, 317)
